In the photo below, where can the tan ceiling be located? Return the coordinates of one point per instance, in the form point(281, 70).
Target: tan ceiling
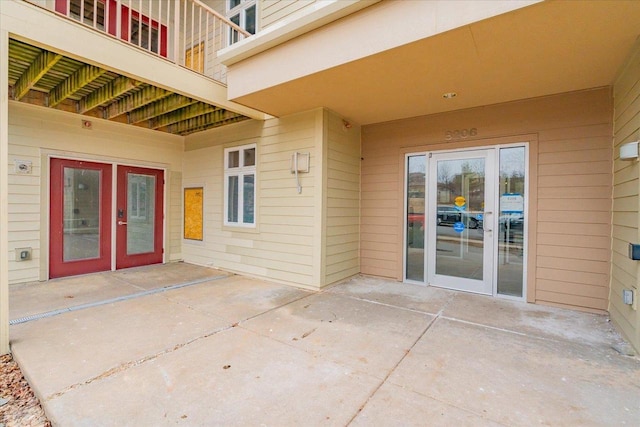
point(548, 48)
point(49, 79)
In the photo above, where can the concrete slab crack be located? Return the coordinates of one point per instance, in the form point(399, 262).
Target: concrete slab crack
point(392, 370)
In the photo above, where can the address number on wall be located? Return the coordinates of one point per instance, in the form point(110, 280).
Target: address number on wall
point(452, 135)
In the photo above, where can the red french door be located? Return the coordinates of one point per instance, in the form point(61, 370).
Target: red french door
point(139, 216)
point(82, 217)
point(80, 220)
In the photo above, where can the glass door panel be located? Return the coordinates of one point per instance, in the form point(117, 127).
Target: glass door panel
point(461, 247)
point(80, 205)
point(511, 222)
point(414, 254)
point(140, 213)
point(139, 216)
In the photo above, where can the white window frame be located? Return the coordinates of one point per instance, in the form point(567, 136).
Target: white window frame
point(241, 11)
point(240, 171)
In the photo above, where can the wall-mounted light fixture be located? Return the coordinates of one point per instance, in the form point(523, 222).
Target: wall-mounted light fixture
point(629, 151)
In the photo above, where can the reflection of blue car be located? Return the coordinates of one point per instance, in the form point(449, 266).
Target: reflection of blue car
point(512, 221)
point(449, 215)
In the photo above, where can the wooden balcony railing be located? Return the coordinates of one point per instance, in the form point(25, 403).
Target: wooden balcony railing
point(186, 32)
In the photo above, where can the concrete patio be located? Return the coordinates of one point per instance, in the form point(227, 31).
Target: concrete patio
point(179, 344)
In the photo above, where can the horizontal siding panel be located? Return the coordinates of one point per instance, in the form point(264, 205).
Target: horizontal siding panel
point(370, 187)
point(575, 138)
point(277, 258)
point(625, 219)
point(375, 270)
point(343, 185)
point(626, 204)
point(574, 229)
point(624, 170)
point(368, 238)
point(597, 292)
point(585, 168)
point(343, 206)
point(578, 144)
point(342, 221)
point(574, 205)
point(626, 189)
point(564, 193)
point(571, 157)
point(596, 242)
point(576, 217)
point(572, 300)
point(575, 180)
point(589, 266)
point(593, 254)
point(624, 233)
point(624, 264)
point(380, 246)
point(595, 279)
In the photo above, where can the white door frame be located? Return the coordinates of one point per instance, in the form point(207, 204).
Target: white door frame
point(492, 168)
point(484, 285)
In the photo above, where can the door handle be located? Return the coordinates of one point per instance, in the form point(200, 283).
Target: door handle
point(484, 222)
point(122, 223)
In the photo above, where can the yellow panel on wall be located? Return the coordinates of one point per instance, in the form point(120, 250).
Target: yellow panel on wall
point(193, 213)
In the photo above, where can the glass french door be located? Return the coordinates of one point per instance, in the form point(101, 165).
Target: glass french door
point(83, 217)
point(461, 194)
point(139, 216)
point(79, 223)
point(453, 239)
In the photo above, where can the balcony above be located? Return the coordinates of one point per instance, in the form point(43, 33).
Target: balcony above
point(87, 67)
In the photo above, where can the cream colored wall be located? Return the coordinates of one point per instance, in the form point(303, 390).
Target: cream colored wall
point(570, 166)
point(625, 273)
point(282, 246)
point(342, 205)
point(307, 239)
point(273, 11)
point(36, 132)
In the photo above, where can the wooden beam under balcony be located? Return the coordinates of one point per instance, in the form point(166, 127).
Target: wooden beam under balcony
point(189, 112)
point(206, 121)
point(136, 100)
point(159, 107)
point(74, 83)
point(38, 68)
point(117, 87)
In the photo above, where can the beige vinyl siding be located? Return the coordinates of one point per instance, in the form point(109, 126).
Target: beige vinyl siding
point(34, 132)
point(624, 272)
point(272, 11)
point(283, 244)
point(570, 165)
point(342, 232)
point(175, 213)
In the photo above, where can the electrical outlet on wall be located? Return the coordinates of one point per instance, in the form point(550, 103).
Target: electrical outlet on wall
point(23, 254)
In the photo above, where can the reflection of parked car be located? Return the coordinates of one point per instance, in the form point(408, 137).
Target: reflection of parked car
point(449, 215)
point(512, 221)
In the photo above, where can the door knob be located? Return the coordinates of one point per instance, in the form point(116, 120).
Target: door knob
point(122, 223)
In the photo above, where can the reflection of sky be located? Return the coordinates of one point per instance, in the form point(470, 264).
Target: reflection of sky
point(418, 164)
point(512, 161)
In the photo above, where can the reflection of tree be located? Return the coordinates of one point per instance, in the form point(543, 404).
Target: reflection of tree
point(444, 173)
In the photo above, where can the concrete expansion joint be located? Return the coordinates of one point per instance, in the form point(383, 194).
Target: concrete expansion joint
point(144, 293)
